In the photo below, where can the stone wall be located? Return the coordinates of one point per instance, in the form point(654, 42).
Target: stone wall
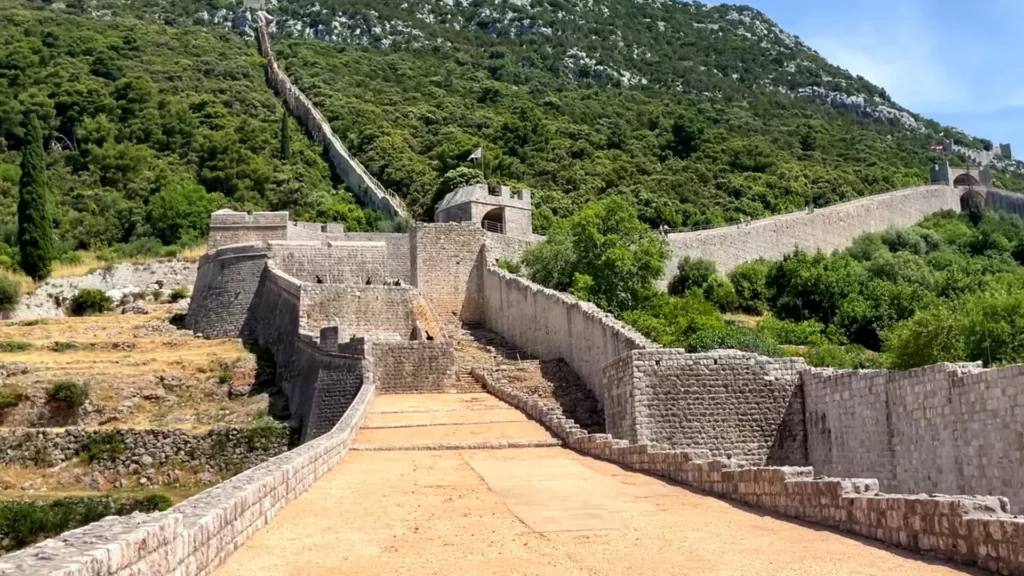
point(1004, 201)
point(332, 262)
point(217, 450)
point(735, 405)
point(345, 165)
point(446, 267)
point(397, 248)
point(225, 286)
point(971, 530)
point(826, 229)
point(197, 535)
point(503, 247)
point(380, 313)
point(547, 324)
point(228, 228)
point(337, 379)
point(948, 428)
point(414, 367)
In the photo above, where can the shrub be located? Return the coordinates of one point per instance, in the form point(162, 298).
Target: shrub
point(851, 357)
point(14, 346)
point(691, 273)
point(104, 446)
point(70, 393)
point(226, 374)
point(143, 248)
point(158, 295)
point(90, 301)
point(10, 293)
point(25, 522)
point(179, 294)
point(749, 280)
point(792, 333)
point(719, 291)
point(62, 346)
point(10, 397)
point(33, 322)
point(264, 434)
point(510, 266)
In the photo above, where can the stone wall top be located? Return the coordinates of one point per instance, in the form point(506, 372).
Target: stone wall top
point(232, 218)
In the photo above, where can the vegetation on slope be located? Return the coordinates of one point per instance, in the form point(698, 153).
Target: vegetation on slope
point(147, 128)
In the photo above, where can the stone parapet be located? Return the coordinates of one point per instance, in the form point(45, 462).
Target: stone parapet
point(415, 367)
point(194, 537)
point(970, 530)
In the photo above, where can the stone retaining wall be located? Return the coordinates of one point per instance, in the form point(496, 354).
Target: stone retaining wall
point(345, 165)
point(397, 244)
point(736, 405)
point(381, 313)
point(946, 428)
point(196, 536)
point(548, 324)
point(975, 531)
point(332, 262)
point(217, 450)
point(827, 229)
point(414, 367)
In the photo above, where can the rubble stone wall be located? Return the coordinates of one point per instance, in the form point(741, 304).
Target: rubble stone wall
point(380, 313)
point(414, 366)
point(948, 428)
point(397, 244)
point(332, 262)
point(735, 405)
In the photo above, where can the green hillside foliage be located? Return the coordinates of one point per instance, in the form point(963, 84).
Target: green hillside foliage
point(147, 128)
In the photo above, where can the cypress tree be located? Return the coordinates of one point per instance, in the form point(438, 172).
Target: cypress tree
point(286, 144)
point(35, 224)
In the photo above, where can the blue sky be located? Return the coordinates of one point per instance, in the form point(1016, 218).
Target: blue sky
point(956, 61)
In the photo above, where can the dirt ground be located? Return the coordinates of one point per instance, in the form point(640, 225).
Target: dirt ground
point(141, 371)
point(543, 511)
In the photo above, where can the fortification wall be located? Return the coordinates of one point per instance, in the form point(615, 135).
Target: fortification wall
point(414, 366)
point(949, 429)
point(197, 535)
point(334, 381)
point(345, 165)
point(397, 244)
point(332, 262)
point(228, 228)
point(735, 405)
point(379, 313)
point(1004, 201)
point(548, 324)
point(446, 267)
point(226, 283)
point(504, 247)
point(825, 229)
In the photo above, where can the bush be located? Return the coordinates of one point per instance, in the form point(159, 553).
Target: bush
point(719, 291)
point(14, 346)
point(10, 397)
point(178, 294)
point(792, 333)
point(71, 394)
point(25, 522)
point(143, 248)
point(691, 273)
point(225, 374)
point(510, 266)
point(10, 293)
point(104, 446)
point(265, 434)
point(749, 280)
point(851, 357)
point(90, 301)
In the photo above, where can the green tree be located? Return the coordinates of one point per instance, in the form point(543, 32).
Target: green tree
point(35, 224)
point(691, 273)
point(181, 212)
point(603, 252)
point(750, 282)
point(286, 139)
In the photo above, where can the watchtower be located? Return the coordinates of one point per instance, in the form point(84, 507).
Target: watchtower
point(497, 209)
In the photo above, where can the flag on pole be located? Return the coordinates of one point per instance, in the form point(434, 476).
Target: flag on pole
point(939, 146)
point(478, 153)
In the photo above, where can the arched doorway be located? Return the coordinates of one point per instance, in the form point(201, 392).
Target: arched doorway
point(973, 199)
point(966, 179)
point(494, 221)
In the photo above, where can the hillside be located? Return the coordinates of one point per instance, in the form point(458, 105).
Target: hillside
point(701, 114)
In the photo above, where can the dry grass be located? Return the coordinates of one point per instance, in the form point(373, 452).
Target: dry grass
point(88, 262)
point(193, 253)
point(49, 484)
point(141, 372)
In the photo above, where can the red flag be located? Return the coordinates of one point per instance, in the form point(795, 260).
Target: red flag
point(938, 147)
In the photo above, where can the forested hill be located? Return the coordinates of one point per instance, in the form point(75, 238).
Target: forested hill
point(698, 114)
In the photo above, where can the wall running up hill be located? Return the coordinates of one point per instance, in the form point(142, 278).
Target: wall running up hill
point(345, 165)
point(826, 229)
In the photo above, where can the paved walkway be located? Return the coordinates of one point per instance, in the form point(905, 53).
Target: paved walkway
point(526, 511)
